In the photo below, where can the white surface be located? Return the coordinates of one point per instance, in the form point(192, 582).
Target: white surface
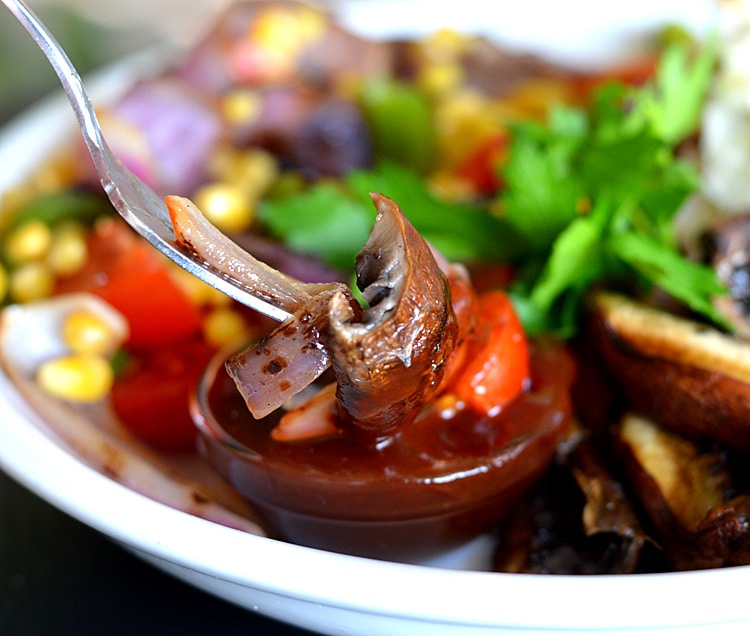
point(331, 593)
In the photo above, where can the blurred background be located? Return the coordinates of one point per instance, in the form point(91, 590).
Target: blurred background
point(93, 33)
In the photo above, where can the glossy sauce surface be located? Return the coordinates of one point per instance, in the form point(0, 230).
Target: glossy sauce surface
point(435, 483)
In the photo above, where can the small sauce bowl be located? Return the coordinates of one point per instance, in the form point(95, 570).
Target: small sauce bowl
point(431, 487)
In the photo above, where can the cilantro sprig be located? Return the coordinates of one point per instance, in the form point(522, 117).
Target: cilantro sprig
point(589, 196)
point(593, 194)
point(333, 219)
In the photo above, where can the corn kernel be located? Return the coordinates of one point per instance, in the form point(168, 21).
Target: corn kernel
point(288, 30)
point(31, 281)
point(444, 45)
point(224, 326)
point(86, 333)
point(12, 201)
point(78, 378)
point(68, 251)
point(198, 293)
point(462, 123)
point(450, 186)
point(439, 79)
point(30, 241)
point(226, 206)
point(254, 171)
point(241, 107)
point(55, 174)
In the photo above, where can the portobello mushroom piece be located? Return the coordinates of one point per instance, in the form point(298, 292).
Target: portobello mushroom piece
point(691, 378)
point(729, 244)
point(686, 494)
point(390, 361)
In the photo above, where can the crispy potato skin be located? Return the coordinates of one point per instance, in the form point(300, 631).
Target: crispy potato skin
point(687, 393)
point(682, 490)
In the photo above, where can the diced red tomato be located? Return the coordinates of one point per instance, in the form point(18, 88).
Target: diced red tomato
point(151, 395)
point(496, 364)
point(130, 275)
point(480, 168)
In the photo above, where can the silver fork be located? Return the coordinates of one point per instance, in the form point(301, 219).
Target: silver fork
point(135, 201)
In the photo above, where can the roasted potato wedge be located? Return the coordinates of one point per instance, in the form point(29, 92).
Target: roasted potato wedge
point(687, 495)
point(691, 378)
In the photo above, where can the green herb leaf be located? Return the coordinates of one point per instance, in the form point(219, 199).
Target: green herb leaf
point(400, 120)
point(692, 283)
point(334, 221)
point(460, 232)
point(594, 194)
point(543, 192)
point(682, 82)
point(69, 205)
point(324, 220)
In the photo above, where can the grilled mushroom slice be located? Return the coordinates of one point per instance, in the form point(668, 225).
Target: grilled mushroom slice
point(690, 377)
point(391, 362)
point(730, 247)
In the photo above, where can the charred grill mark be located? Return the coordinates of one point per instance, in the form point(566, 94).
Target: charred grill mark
point(275, 366)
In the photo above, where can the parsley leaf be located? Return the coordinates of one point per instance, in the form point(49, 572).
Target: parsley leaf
point(543, 190)
point(323, 220)
point(460, 232)
point(333, 221)
point(593, 193)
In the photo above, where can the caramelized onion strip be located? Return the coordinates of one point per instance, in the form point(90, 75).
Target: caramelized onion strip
point(194, 232)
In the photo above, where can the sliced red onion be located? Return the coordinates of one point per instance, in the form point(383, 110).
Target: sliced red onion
point(179, 127)
point(294, 354)
point(291, 358)
point(196, 233)
point(304, 267)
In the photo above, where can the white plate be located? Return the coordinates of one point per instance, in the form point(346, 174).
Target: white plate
point(337, 594)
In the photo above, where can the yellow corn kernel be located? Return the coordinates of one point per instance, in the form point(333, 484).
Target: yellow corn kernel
point(78, 378)
point(55, 174)
point(450, 186)
point(86, 333)
point(287, 30)
point(532, 99)
point(224, 326)
point(12, 201)
point(241, 106)
point(444, 45)
point(226, 206)
point(462, 123)
point(68, 250)
point(198, 293)
point(254, 171)
point(30, 241)
point(440, 79)
point(31, 281)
